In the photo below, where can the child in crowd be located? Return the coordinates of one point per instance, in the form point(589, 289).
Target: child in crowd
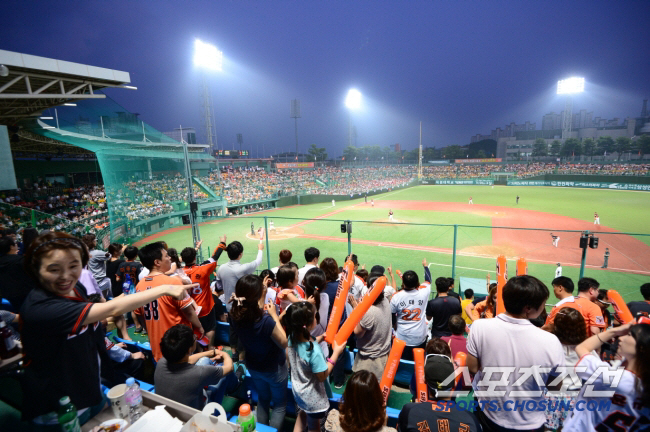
point(289, 290)
point(309, 369)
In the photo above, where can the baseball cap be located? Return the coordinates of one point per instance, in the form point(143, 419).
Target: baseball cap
point(437, 368)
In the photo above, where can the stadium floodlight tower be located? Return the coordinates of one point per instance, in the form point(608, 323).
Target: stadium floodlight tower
point(208, 58)
point(353, 103)
point(569, 87)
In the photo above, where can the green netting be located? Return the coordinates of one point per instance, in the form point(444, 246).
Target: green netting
point(143, 170)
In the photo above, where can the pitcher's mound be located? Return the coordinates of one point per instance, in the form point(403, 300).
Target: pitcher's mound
point(279, 233)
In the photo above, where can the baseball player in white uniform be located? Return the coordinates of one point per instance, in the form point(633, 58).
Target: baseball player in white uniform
point(558, 270)
point(556, 239)
point(390, 215)
point(470, 200)
point(596, 219)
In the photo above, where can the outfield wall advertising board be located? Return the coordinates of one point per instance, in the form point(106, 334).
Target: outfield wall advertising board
point(456, 182)
point(592, 185)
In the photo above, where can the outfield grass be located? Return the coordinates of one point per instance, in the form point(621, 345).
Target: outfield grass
point(622, 210)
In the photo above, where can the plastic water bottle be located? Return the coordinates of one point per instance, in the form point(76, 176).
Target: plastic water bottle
point(8, 345)
point(126, 286)
point(246, 419)
point(68, 416)
point(133, 398)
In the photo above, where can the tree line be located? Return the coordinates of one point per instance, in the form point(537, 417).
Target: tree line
point(589, 147)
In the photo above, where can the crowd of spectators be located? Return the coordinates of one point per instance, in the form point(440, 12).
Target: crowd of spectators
point(468, 171)
point(277, 321)
point(604, 169)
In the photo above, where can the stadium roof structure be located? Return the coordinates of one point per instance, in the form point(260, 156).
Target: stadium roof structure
point(93, 122)
point(34, 83)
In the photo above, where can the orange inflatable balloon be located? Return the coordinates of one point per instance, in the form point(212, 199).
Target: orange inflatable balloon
point(421, 393)
point(522, 267)
point(621, 310)
point(347, 276)
point(502, 277)
point(391, 368)
point(358, 312)
point(461, 361)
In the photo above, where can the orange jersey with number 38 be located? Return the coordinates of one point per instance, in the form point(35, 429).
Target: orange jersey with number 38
point(163, 313)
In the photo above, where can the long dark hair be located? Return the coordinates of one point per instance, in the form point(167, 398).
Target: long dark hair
point(173, 254)
point(297, 319)
point(641, 334)
point(247, 310)
point(362, 409)
point(315, 283)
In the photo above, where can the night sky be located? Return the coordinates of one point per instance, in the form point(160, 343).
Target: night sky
point(460, 67)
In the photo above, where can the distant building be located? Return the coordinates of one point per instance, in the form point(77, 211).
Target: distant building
point(189, 135)
point(509, 131)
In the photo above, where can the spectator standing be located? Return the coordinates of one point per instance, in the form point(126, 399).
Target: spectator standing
point(408, 307)
point(311, 257)
point(182, 375)
point(441, 308)
point(315, 283)
point(203, 294)
point(115, 249)
point(228, 274)
point(331, 270)
point(309, 369)
point(469, 297)
point(61, 328)
point(570, 329)
point(285, 257)
point(97, 265)
point(373, 333)
point(632, 393)
point(362, 409)
point(133, 268)
point(524, 298)
point(563, 291)
point(165, 312)
point(259, 331)
point(606, 258)
point(586, 299)
point(486, 308)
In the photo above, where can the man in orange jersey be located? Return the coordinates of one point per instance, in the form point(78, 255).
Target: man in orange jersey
point(203, 295)
point(563, 290)
point(587, 296)
point(164, 313)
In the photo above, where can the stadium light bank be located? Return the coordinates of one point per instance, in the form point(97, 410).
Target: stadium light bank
point(569, 87)
point(353, 103)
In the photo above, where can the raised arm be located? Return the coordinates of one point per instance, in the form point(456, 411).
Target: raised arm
point(124, 304)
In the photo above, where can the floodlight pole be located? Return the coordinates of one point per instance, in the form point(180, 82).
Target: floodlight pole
point(196, 235)
point(567, 121)
point(420, 155)
point(295, 114)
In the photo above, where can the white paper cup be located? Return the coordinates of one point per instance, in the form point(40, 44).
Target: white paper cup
point(118, 401)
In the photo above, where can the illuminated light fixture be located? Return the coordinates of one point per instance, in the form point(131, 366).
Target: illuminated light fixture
point(571, 85)
point(129, 87)
point(69, 104)
point(353, 99)
point(49, 127)
point(207, 56)
point(46, 118)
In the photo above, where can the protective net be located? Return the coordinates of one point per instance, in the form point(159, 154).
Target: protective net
point(143, 170)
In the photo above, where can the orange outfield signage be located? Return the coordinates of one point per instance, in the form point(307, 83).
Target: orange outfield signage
point(295, 165)
point(460, 161)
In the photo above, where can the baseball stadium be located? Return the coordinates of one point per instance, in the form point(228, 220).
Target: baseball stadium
point(76, 161)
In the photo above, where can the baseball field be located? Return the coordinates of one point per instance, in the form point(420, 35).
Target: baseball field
point(423, 229)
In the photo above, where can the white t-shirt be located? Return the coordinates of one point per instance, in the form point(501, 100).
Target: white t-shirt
point(143, 273)
point(303, 271)
point(410, 307)
point(558, 271)
point(504, 341)
point(357, 287)
point(622, 413)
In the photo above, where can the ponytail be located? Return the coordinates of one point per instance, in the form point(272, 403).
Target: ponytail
point(297, 319)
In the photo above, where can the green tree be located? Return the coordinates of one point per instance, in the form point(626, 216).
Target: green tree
point(317, 153)
point(605, 145)
point(589, 146)
point(540, 148)
point(556, 146)
point(429, 153)
point(571, 147)
point(481, 154)
point(350, 153)
point(623, 145)
point(644, 144)
point(453, 152)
